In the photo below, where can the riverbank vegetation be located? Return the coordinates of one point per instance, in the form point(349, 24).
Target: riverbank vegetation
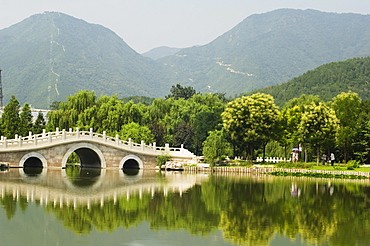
point(214, 126)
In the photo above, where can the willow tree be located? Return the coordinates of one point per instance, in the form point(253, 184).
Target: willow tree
point(68, 113)
point(318, 127)
point(251, 121)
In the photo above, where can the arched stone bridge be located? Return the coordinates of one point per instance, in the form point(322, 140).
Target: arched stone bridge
point(52, 149)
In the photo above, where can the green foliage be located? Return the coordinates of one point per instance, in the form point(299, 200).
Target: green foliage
point(139, 99)
point(347, 107)
point(326, 81)
point(318, 175)
point(25, 124)
point(216, 147)
point(318, 127)
point(10, 118)
point(352, 164)
point(162, 159)
point(39, 124)
point(136, 132)
point(294, 165)
point(179, 91)
point(251, 121)
point(73, 158)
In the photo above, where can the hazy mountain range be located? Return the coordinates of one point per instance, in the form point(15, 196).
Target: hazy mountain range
point(49, 56)
point(161, 52)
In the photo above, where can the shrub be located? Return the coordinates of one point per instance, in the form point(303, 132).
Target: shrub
point(162, 159)
point(352, 164)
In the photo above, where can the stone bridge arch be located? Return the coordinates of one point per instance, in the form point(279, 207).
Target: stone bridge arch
point(131, 161)
point(89, 154)
point(33, 159)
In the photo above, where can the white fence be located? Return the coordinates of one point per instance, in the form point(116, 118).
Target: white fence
point(272, 159)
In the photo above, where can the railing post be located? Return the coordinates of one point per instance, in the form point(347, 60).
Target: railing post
point(70, 130)
point(49, 139)
point(43, 133)
point(5, 143)
point(91, 133)
point(77, 132)
point(117, 139)
point(57, 131)
point(167, 147)
point(142, 145)
point(104, 136)
point(30, 134)
point(63, 134)
point(16, 136)
point(182, 149)
point(20, 142)
point(154, 147)
point(130, 143)
point(35, 137)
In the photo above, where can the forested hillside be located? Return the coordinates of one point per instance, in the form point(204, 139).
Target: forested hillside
point(271, 48)
point(326, 81)
point(49, 56)
point(54, 55)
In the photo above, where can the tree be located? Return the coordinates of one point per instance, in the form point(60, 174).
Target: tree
point(318, 127)
point(136, 132)
point(362, 137)
point(10, 118)
point(291, 119)
point(184, 134)
point(251, 121)
point(215, 146)
point(39, 124)
point(179, 91)
point(68, 113)
point(26, 124)
point(347, 109)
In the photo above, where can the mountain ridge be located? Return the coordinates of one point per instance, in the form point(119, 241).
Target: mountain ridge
point(56, 55)
point(160, 52)
point(271, 48)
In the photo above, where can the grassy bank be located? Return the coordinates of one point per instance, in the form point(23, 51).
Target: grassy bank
point(301, 165)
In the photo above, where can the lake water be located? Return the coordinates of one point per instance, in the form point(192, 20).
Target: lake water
point(111, 207)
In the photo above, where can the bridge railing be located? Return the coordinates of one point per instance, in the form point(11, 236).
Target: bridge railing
point(51, 138)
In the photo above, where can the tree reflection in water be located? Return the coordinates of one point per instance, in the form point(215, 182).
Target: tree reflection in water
point(249, 210)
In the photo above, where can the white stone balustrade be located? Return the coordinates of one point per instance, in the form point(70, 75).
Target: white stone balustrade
point(58, 137)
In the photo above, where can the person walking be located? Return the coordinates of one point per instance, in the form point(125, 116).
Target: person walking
point(324, 159)
point(332, 159)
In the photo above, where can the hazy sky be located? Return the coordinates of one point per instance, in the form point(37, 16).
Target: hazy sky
point(145, 24)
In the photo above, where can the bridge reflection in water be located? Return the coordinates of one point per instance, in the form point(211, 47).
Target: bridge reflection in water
point(86, 186)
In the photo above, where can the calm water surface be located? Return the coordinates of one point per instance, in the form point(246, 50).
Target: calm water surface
point(110, 207)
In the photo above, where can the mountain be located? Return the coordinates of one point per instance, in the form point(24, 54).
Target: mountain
point(160, 52)
point(269, 49)
point(326, 81)
point(49, 56)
